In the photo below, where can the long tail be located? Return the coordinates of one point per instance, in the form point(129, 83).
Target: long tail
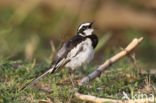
point(39, 77)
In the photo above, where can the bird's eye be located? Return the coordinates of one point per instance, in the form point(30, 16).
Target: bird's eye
point(84, 28)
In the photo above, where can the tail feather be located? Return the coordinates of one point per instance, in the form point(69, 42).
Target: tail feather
point(38, 78)
point(52, 69)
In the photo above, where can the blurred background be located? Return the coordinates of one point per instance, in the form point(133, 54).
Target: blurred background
point(36, 29)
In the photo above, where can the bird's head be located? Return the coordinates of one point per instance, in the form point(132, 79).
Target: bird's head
point(85, 29)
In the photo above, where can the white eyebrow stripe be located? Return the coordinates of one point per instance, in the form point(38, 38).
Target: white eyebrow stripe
point(85, 24)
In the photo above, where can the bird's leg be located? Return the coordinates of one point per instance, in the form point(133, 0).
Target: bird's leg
point(71, 76)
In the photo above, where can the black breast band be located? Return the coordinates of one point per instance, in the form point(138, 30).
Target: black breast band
point(94, 39)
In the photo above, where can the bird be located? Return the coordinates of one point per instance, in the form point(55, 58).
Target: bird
point(76, 52)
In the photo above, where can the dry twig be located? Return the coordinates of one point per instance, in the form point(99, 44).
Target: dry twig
point(94, 99)
point(110, 61)
point(102, 100)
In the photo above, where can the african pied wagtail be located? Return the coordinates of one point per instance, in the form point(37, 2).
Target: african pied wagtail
point(76, 52)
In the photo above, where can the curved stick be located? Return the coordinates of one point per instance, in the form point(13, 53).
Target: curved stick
point(110, 61)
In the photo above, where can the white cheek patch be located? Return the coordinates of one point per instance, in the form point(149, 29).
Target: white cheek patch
point(88, 32)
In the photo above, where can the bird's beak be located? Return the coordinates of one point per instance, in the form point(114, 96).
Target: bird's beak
point(91, 23)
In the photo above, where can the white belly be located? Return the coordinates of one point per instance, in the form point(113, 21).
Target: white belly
point(82, 58)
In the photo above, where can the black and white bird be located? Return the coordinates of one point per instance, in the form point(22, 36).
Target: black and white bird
point(74, 53)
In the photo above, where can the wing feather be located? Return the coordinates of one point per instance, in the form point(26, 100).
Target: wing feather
point(61, 58)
